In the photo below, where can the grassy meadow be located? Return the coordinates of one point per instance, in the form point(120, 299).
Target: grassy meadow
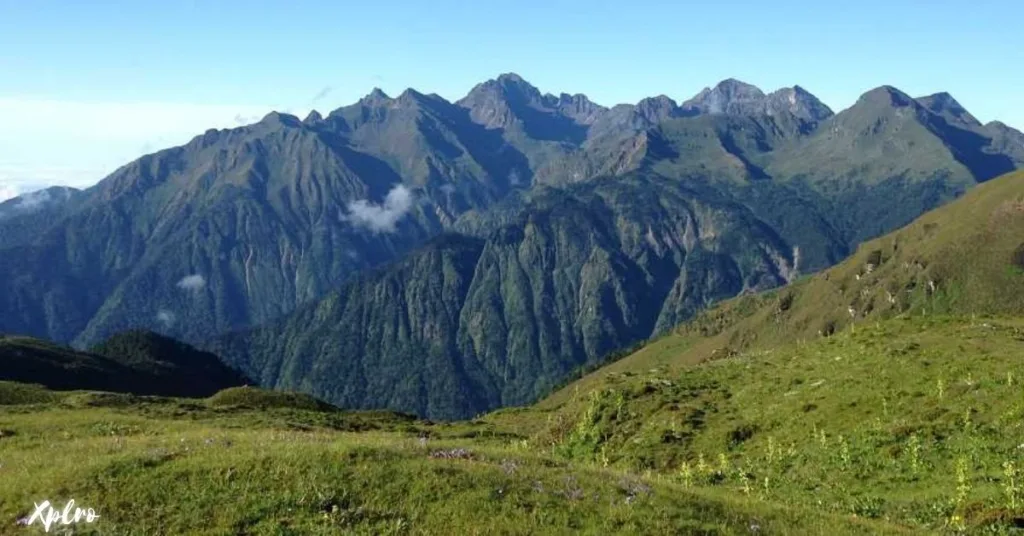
point(173, 466)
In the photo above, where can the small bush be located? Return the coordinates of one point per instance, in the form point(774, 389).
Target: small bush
point(740, 434)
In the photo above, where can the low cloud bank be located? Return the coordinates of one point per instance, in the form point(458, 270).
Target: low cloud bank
point(384, 217)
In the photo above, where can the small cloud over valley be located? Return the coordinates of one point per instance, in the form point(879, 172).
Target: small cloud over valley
point(192, 282)
point(165, 318)
point(381, 218)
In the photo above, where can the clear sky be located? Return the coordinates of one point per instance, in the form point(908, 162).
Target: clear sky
point(88, 85)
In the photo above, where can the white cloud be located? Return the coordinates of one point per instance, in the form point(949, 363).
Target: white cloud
point(8, 191)
point(381, 217)
point(33, 200)
point(165, 317)
point(192, 282)
point(17, 178)
point(29, 199)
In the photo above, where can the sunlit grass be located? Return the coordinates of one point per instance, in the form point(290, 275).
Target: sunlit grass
point(164, 466)
point(852, 424)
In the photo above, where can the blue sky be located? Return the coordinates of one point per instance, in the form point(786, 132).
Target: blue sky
point(86, 86)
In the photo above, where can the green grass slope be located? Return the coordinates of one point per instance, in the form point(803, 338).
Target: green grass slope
point(170, 466)
point(914, 420)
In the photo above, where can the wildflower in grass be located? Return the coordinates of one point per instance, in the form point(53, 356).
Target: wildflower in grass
point(957, 522)
point(723, 464)
point(963, 481)
point(941, 385)
point(844, 452)
point(771, 451)
point(744, 481)
point(1009, 379)
point(686, 472)
point(914, 450)
point(702, 465)
point(620, 402)
point(967, 419)
point(823, 439)
point(1010, 485)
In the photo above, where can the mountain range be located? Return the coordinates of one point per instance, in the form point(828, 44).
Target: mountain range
point(447, 258)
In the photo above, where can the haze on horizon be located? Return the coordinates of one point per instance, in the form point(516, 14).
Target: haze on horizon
point(86, 89)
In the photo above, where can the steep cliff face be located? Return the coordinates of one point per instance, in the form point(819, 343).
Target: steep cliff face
point(465, 324)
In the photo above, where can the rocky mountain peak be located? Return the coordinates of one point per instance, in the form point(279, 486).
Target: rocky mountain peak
point(945, 105)
point(410, 95)
point(728, 96)
point(886, 96)
point(506, 87)
point(279, 118)
point(578, 107)
point(313, 117)
point(376, 97)
point(737, 89)
point(798, 102)
point(657, 109)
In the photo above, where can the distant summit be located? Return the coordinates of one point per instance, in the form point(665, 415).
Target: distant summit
point(313, 118)
point(794, 108)
point(799, 102)
point(728, 96)
point(946, 106)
